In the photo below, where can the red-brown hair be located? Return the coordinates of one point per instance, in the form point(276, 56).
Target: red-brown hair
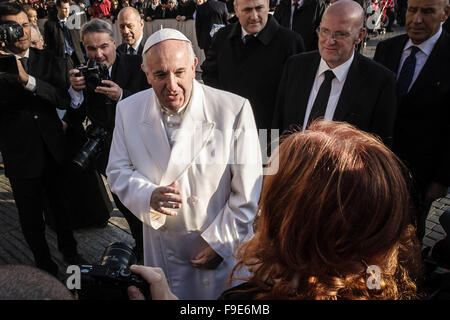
point(338, 203)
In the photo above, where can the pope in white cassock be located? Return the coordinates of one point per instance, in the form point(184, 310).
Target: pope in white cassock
point(186, 160)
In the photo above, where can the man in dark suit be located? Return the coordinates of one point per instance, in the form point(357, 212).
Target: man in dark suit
point(210, 15)
point(303, 17)
point(337, 83)
point(420, 59)
point(99, 103)
point(247, 57)
point(131, 27)
point(32, 141)
point(61, 37)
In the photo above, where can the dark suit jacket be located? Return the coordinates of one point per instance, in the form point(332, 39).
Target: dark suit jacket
point(29, 123)
point(253, 70)
point(367, 101)
point(209, 13)
point(305, 21)
point(123, 47)
point(422, 128)
point(126, 72)
point(54, 40)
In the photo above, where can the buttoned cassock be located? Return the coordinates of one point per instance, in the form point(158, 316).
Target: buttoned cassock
point(216, 161)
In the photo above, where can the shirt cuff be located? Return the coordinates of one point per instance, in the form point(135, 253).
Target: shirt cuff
point(76, 97)
point(31, 84)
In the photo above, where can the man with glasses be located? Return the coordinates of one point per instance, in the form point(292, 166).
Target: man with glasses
point(335, 82)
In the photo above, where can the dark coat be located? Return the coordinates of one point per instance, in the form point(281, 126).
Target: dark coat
point(126, 72)
point(154, 14)
point(422, 128)
point(170, 13)
point(187, 9)
point(29, 123)
point(54, 40)
point(305, 21)
point(253, 70)
point(209, 13)
point(367, 101)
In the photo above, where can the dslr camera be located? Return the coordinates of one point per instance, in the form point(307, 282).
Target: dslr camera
point(94, 72)
point(110, 279)
point(10, 32)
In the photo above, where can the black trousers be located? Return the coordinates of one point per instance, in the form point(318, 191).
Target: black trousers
point(31, 196)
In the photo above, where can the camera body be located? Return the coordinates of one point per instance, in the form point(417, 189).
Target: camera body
point(10, 32)
point(94, 73)
point(110, 279)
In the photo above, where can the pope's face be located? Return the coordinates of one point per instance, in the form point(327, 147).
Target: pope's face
point(171, 73)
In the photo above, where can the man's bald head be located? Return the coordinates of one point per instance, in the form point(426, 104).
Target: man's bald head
point(340, 31)
point(131, 25)
point(349, 9)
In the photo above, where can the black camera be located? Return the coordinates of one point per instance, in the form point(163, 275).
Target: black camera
point(10, 32)
point(94, 72)
point(96, 139)
point(110, 279)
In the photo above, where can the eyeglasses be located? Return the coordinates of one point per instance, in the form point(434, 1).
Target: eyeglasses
point(338, 35)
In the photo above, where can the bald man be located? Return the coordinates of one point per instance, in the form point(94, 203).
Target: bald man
point(335, 82)
point(131, 27)
point(420, 58)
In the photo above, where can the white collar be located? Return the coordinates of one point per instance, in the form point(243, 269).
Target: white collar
point(59, 19)
point(136, 44)
point(340, 71)
point(244, 33)
point(426, 46)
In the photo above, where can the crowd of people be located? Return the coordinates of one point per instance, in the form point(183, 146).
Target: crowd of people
point(217, 209)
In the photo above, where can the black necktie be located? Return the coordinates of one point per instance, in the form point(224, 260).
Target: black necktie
point(407, 73)
point(320, 104)
point(295, 7)
point(24, 62)
point(131, 50)
point(248, 38)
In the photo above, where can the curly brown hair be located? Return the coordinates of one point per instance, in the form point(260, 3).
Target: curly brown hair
point(338, 204)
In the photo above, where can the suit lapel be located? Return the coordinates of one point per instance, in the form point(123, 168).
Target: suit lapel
point(432, 67)
point(153, 134)
point(352, 85)
point(306, 87)
point(193, 135)
point(396, 54)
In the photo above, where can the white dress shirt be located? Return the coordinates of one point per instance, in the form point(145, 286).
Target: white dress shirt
point(135, 45)
point(31, 84)
point(421, 56)
point(337, 84)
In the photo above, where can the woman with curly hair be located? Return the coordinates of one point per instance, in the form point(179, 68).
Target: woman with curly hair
point(334, 223)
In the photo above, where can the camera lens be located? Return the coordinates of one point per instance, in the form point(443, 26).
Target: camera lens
point(118, 255)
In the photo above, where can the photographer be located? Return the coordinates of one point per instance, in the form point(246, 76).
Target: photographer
point(31, 135)
point(97, 101)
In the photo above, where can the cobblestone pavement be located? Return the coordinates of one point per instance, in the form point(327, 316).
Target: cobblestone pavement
point(92, 241)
